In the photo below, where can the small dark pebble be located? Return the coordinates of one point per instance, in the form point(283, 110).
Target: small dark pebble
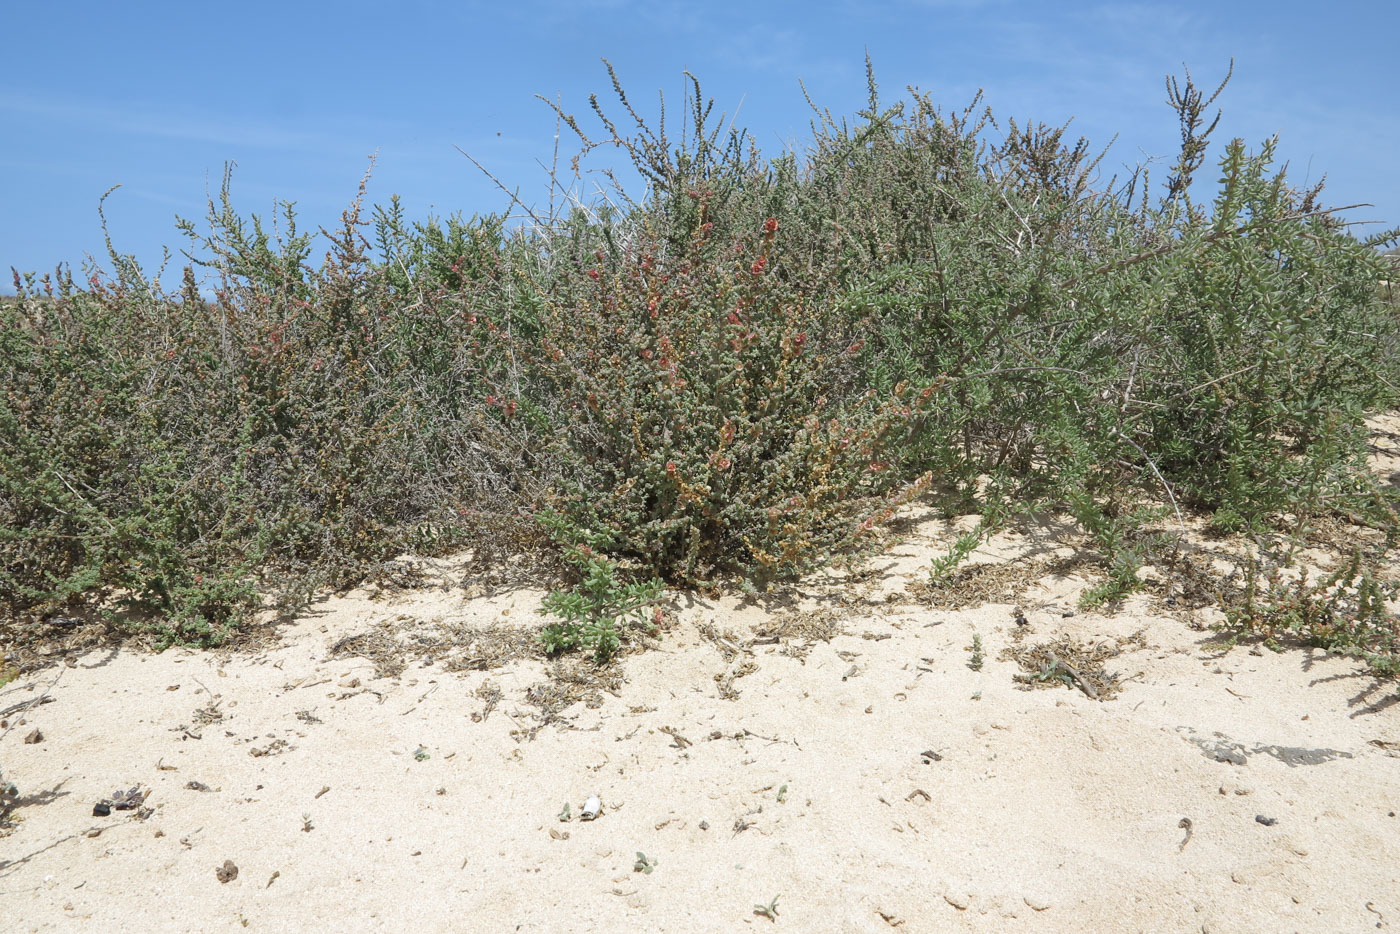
point(705, 825)
point(101, 809)
point(1067, 614)
point(931, 756)
point(227, 872)
point(34, 737)
point(1266, 821)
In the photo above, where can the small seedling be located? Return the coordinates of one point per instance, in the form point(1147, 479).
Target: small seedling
point(782, 794)
point(596, 611)
point(566, 815)
point(306, 825)
point(977, 695)
point(421, 754)
point(643, 863)
point(769, 911)
point(975, 663)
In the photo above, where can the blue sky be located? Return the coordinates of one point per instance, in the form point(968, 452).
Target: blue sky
point(157, 97)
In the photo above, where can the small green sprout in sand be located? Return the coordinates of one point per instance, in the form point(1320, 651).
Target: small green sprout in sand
point(769, 911)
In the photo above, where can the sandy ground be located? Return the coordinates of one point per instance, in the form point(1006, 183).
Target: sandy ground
point(872, 782)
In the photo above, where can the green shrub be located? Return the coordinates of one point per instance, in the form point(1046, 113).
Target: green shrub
point(709, 419)
point(171, 458)
point(742, 372)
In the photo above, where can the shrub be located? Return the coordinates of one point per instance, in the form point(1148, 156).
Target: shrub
point(708, 418)
point(171, 458)
point(742, 372)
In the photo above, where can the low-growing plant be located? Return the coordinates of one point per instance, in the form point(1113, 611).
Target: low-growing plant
point(1347, 611)
point(599, 609)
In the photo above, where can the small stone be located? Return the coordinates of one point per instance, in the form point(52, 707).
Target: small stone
point(227, 872)
point(1036, 902)
point(101, 809)
point(958, 899)
point(1266, 821)
point(34, 736)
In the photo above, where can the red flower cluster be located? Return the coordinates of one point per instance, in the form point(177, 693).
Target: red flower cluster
point(757, 267)
point(770, 226)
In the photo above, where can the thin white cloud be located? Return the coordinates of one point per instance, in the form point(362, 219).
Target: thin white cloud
point(170, 125)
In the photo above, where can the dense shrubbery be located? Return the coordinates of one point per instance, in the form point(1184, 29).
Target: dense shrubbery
point(740, 374)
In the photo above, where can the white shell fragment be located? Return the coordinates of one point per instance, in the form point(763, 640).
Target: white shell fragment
point(591, 808)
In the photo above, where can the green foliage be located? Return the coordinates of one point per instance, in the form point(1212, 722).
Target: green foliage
point(975, 657)
point(741, 373)
point(1346, 611)
point(942, 567)
point(598, 609)
point(172, 459)
point(769, 911)
point(710, 420)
